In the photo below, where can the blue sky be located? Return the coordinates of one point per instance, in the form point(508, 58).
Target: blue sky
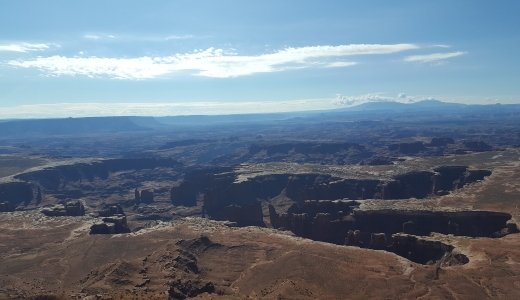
point(72, 58)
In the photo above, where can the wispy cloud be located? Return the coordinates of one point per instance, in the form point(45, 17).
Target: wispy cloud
point(210, 63)
point(160, 109)
point(353, 100)
point(441, 46)
point(340, 64)
point(91, 37)
point(179, 37)
point(432, 57)
point(23, 47)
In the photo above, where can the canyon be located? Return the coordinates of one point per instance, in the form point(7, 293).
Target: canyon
point(353, 205)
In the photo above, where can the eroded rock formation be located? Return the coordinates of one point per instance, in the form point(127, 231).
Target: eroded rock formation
point(425, 251)
point(183, 194)
point(113, 222)
point(147, 196)
point(477, 146)
point(324, 224)
point(112, 210)
point(70, 209)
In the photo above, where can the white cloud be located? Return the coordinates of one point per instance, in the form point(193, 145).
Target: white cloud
point(211, 62)
point(179, 37)
point(91, 36)
point(351, 100)
point(160, 109)
point(441, 46)
point(23, 47)
point(401, 95)
point(339, 64)
point(432, 57)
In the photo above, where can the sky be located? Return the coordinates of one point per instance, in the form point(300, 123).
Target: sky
point(156, 58)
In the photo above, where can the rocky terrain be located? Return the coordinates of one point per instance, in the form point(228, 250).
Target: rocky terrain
point(355, 206)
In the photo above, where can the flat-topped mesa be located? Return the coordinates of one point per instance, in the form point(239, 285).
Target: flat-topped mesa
point(53, 177)
point(426, 183)
point(301, 187)
point(477, 146)
point(224, 189)
point(424, 222)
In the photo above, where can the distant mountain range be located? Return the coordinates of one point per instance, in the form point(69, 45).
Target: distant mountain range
point(65, 126)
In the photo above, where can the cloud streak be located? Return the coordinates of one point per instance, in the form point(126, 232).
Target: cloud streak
point(209, 63)
point(341, 100)
point(159, 109)
point(432, 57)
point(340, 64)
point(23, 47)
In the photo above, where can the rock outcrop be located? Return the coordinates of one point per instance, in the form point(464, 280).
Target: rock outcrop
point(112, 210)
point(408, 148)
point(440, 142)
point(339, 227)
point(147, 196)
point(114, 224)
point(477, 146)
point(51, 178)
point(426, 251)
point(6, 207)
point(137, 197)
point(243, 215)
point(221, 188)
point(70, 209)
point(16, 193)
